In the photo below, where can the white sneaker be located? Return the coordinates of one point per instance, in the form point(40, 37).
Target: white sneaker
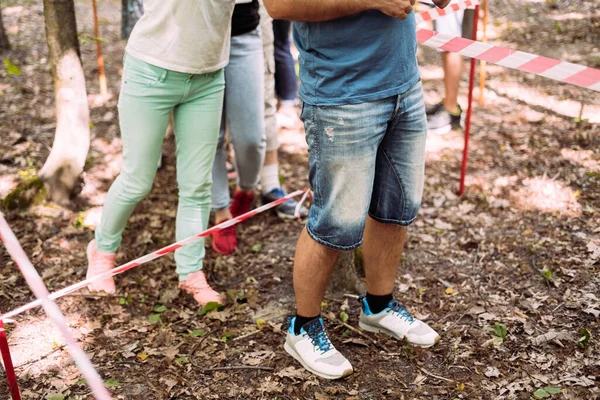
point(395, 321)
point(313, 349)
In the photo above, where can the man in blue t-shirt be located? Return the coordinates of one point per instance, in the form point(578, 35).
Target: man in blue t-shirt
point(365, 124)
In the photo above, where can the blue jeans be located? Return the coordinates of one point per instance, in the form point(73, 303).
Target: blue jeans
point(364, 158)
point(286, 85)
point(243, 113)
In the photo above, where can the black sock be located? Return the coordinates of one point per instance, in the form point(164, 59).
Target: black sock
point(378, 303)
point(301, 321)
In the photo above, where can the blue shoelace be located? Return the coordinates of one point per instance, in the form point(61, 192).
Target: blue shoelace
point(318, 337)
point(399, 309)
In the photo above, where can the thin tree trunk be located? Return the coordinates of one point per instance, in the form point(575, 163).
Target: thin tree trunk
point(348, 274)
point(65, 163)
point(4, 43)
point(131, 12)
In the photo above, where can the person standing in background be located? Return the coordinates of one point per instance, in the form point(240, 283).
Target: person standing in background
point(447, 114)
point(269, 176)
point(243, 118)
point(286, 86)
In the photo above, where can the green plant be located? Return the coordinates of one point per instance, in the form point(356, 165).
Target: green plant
point(585, 337)
point(546, 273)
point(125, 300)
point(213, 305)
point(499, 330)
point(545, 392)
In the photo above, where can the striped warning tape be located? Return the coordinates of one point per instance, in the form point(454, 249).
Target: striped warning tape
point(40, 291)
point(561, 71)
point(149, 257)
point(435, 13)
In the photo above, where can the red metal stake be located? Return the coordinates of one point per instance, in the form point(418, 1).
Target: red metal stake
point(463, 169)
point(8, 365)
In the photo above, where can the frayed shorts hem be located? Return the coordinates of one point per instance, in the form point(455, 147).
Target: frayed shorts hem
point(393, 221)
point(331, 245)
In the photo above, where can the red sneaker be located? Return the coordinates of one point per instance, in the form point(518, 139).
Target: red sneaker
point(224, 241)
point(241, 203)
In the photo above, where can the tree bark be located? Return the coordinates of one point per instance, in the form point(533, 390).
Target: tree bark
point(348, 274)
point(131, 12)
point(71, 144)
point(4, 43)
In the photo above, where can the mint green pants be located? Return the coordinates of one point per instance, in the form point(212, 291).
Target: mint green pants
point(148, 96)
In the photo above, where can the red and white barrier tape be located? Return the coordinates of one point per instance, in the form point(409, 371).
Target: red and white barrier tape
point(435, 13)
point(40, 291)
point(149, 257)
point(561, 71)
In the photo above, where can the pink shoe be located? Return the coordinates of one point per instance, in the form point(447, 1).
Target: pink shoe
point(196, 285)
point(99, 262)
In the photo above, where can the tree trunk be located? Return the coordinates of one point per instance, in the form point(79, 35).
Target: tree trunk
point(4, 44)
point(348, 274)
point(131, 12)
point(65, 163)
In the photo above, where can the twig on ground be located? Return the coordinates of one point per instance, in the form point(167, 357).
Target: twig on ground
point(459, 318)
point(237, 367)
point(353, 329)
point(444, 282)
point(92, 296)
point(246, 335)
point(61, 347)
point(434, 375)
point(193, 350)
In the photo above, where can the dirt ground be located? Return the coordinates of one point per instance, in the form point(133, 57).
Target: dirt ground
point(507, 273)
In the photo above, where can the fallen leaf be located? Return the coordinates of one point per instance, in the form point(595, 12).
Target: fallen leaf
point(292, 373)
point(492, 372)
point(593, 311)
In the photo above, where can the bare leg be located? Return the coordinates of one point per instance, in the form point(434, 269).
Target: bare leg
point(452, 73)
point(270, 158)
point(313, 264)
point(382, 249)
point(224, 213)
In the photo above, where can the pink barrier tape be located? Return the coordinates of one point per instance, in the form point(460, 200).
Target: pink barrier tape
point(149, 257)
point(11, 377)
point(40, 291)
point(308, 193)
point(561, 71)
point(435, 13)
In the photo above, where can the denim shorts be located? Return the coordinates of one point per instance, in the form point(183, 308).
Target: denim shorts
point(364, 158)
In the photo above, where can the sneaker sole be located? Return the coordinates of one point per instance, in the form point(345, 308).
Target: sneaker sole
point(288, 216)
point(440, 131)
point(377, 329)
point(297, 357)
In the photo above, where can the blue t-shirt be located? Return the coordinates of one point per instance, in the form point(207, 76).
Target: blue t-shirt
point(355, 59)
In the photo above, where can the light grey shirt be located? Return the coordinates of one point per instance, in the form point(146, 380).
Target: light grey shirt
point(189, 36)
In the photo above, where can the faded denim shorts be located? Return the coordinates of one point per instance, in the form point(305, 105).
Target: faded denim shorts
point(365, 158)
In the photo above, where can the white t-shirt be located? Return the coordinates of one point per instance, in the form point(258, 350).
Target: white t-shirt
point(189, 36)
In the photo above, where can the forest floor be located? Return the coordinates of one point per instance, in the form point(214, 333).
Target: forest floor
point(508, 273)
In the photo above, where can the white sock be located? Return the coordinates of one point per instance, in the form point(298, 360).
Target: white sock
point(269, 177)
